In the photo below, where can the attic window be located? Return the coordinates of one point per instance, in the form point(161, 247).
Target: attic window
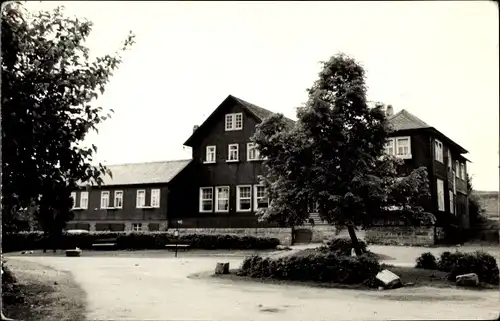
point(234, 121)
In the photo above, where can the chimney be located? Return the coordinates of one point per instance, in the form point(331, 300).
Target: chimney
point(389, 111)
point(195, 127)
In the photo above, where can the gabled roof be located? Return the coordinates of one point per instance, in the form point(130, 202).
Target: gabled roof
point(258, 112)
point(144, 173)
point(405, 120)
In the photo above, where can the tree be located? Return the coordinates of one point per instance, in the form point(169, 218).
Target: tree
point(334, 155)
point(476, 211)
point(49, 88)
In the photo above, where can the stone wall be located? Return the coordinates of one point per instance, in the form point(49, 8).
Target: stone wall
point(320, 233)
point(283, 234)
point(400, 235)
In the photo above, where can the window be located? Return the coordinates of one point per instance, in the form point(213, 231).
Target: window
point(73, 197)
point(137, 227)
point(438, 150)
point(210, 155)
point(244, 198)
point(440, 194)
point(222, 199)
point(233, 152)
point(389, 146)
point(234, 121)
point(155, 198)
point(462, 171)
point(452, 204)
point(84, 200)
point(118, 199)
point(206, 199)
point(141, 198)
point(457, 169)
point(261, 200)
point(104, 199)
point(252, 152)
point(450, 161)
point(403, 147)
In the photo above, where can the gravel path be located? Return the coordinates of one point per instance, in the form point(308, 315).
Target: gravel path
point(133, 288)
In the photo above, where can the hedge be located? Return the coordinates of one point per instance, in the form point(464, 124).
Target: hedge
point(341, 245)
point(481, 263)
point(322, 267)
point(137, 241)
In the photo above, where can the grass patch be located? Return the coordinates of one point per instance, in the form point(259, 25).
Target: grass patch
point(43, 293)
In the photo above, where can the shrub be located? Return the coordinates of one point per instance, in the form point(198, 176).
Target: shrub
point(324, 267)
point(426, 261)
point(342, 246)
point(137, 241)
point(481, 263)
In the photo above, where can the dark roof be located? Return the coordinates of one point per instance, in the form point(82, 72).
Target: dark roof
point(144, 173)
point(405, 120)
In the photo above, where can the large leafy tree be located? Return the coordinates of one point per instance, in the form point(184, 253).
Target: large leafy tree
point(49, 88)
point(334, 156)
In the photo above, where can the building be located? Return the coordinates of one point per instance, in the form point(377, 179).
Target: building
point(219, 187)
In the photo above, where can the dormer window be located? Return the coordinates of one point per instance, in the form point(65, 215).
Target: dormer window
point(234, 121)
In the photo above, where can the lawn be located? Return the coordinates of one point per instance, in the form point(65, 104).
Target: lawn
point(43, 293)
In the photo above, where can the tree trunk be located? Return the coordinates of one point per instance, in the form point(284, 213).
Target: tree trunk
point(354, 240)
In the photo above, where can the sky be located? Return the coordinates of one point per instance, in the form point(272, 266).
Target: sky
point(438, 60)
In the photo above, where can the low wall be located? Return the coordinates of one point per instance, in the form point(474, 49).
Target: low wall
point(400, 235)
point(320, 233)
point(283, 234)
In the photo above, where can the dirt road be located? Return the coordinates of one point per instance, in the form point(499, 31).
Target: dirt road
point(132, 288)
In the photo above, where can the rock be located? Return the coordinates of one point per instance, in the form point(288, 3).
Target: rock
point(469, 279)
point(283, 248)
point(380, 288)
point(73, 253)
point(23, 252)
point(389, 279)
point(222, 268)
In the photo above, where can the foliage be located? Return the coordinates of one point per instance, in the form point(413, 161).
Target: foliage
point(426, 261)
point(334, 154)
point(323, 267)
point(476, 211)
point(49, 88)
point(481, 263)
point(137, 240)
point(341, 246)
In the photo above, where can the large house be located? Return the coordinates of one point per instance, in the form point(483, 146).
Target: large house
point(219, 187)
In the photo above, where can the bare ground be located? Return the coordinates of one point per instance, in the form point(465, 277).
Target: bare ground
point(142, 288)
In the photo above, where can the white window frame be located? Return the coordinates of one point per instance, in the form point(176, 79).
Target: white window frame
point(201, 199)
point(137, 227)
point(138, 199)
point(231, 121)
point(229, 153)
point(210, 150)
point(396, 147)
point(155, 197)
point(253, 147)
point(84, 196)
point(452, 203)
point(104, 196)
point(256, 198)
point(118, 196)
point(440, 194)
point(217, 199)
point(438, 151)
point(239, 198)
point(462, 171)
point(450, 160)
point(390, 143)
point(457, 169)
point(73, 196)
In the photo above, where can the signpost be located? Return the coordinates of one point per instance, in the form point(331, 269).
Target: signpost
point(176, 234)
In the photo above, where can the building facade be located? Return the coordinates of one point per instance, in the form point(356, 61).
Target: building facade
point(219, 187)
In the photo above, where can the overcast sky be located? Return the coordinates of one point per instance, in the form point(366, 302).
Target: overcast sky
point(438, 60)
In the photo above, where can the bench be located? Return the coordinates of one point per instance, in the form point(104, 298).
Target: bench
point(105, 243)
point(179, 246)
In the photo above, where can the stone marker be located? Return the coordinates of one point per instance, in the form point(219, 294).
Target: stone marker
point(222, 268)
point(389, 279)
point(469, 279)
point(74, 253)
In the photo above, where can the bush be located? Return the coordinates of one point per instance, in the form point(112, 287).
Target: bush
point(481, 263)
point(137, 241)
point(426, 261)
point(342, 246)
point(323, 267)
